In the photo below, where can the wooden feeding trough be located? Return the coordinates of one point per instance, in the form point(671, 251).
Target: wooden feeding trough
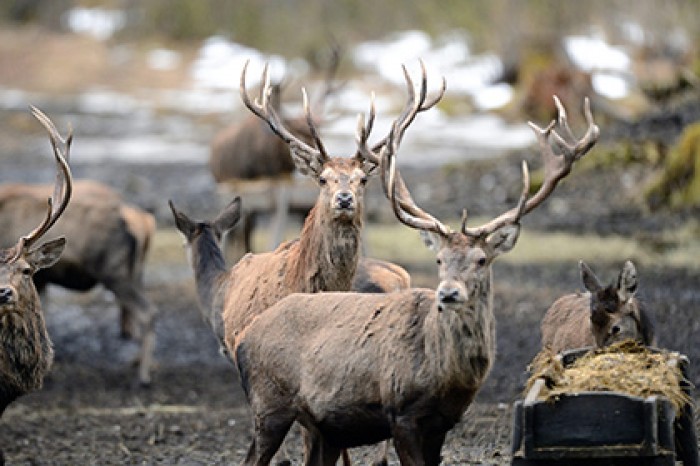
point(555, 427)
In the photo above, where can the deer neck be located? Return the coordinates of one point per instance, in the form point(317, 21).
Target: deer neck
point(328, 252)
point(210, 275)
point(26, 352)
point(460, 343)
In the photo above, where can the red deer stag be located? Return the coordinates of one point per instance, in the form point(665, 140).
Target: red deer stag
point(108, 242)
point(601, 316)
point(27, 352)
point(249, 159)
point(355, 369)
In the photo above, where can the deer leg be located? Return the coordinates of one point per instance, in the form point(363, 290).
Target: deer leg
point(320, 453)
point(270, 431)
point(280, 215)
point(127, 325)
point(432, 448)
point(248, 227)
point(408, 442)
point(143, 313)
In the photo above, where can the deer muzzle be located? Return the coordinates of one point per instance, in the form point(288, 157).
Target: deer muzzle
point(7, 295)
point(450, 293)
point(344, 204)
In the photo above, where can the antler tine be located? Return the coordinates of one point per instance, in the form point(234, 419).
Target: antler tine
point(403, 205)
point(362, 134)
point(412, 107)
point(556, 166)
point(264, 110)
point(312, 126)
point(63, 186)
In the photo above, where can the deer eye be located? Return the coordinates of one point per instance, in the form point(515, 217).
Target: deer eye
point(439, 261)
point(322, 180)
point(27, 271)
point(363, 180)
point(481, 262)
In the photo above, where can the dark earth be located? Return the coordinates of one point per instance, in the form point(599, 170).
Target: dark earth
point(91, 412)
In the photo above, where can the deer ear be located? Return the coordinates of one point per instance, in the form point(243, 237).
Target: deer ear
point(183, 222)
point(590, 281)
point(228, 218)
point(432, 240)
point(47, 254)
point(627, 282)
point(503, 239)
point(307, 163)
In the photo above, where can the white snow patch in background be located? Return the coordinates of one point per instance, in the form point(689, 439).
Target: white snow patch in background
point(96, 22)
point(594, 54)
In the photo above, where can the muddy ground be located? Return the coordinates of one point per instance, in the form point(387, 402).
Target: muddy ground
point(91, 412)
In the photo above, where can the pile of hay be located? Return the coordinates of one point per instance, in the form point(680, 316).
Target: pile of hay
point(626, 367)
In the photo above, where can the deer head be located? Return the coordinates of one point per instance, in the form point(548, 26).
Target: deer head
point(341, 180)
point(19, 263)
point(615, 312)
point(464, 256)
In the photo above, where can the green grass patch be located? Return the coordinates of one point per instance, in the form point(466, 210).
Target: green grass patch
point(395, 242)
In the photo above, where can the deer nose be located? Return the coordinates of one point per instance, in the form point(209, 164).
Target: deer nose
point(448, 295)
point(6, 295)
point(344, 199)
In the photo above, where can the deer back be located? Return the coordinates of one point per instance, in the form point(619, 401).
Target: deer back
point(101, 244)
point(378, 276)
point(250, 150)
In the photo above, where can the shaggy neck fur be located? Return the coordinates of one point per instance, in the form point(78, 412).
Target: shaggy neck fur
point(26, 352)
point(460, 344)
point(328, 251)
point(210, 274)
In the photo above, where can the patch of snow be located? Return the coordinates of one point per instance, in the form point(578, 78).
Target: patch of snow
point(163, 59)
point(96, 22)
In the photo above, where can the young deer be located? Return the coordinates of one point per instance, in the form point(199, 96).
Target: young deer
point(601, 316)
point(27, 352)
point(356, 369)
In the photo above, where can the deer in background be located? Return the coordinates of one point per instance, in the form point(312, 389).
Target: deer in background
point(356, 369)
point(599, 317)
point(249, 158)
point(27, 352)
point(108, 243)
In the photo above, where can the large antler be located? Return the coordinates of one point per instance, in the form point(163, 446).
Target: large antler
point(63, 186)
point(556, 167)
point(401, 201)
point(414, 105)
point(263, 108)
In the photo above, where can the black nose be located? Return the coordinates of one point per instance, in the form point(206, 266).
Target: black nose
point(344, 199)
point(448, 295)
point(5, 295)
